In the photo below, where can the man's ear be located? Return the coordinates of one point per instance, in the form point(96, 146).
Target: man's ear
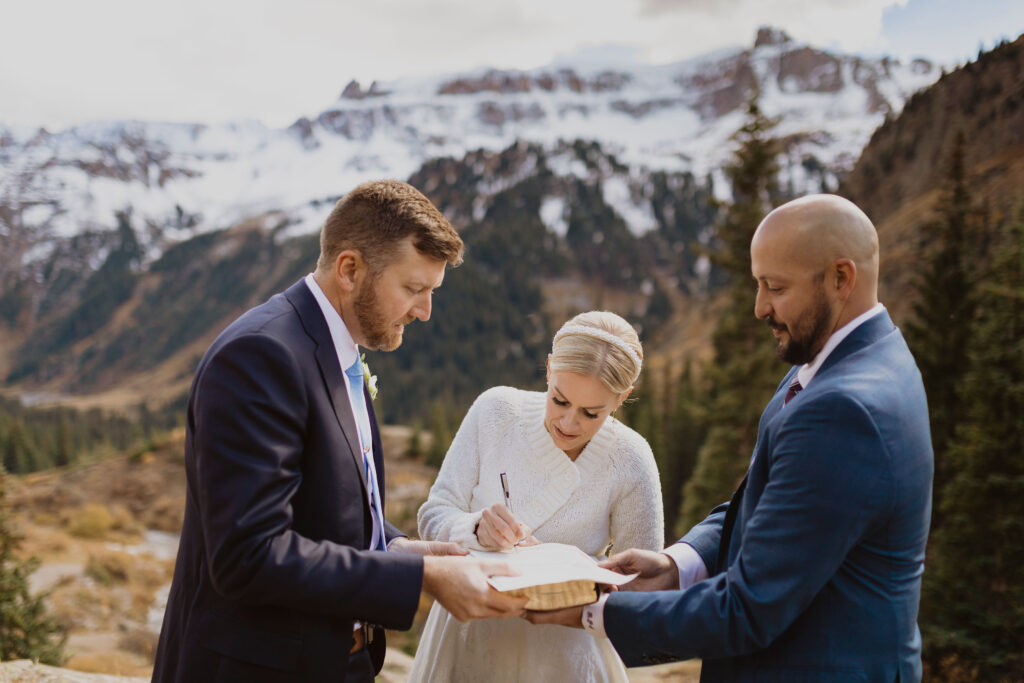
point(347, 269)
point(844, 274)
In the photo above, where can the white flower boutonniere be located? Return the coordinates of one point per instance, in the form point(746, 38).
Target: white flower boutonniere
point(369, 379)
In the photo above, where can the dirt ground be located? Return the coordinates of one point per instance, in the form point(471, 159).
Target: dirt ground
point(106, 535)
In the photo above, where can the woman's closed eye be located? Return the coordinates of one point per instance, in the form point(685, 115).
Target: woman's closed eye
point(562, 404)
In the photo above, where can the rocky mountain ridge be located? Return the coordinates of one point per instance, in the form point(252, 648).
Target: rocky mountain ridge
point(177, 180)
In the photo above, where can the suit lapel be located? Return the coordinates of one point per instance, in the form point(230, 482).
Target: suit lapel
point(330, 371)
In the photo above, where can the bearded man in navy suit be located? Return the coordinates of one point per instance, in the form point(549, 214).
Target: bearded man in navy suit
point(287, 570)
point(812, 572)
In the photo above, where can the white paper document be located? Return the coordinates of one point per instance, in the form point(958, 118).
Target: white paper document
point(550, 563)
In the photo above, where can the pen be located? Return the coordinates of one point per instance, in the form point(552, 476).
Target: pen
point(504, 490)
point(508, 504)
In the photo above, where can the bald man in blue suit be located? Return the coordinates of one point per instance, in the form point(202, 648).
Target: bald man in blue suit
point(812, 572)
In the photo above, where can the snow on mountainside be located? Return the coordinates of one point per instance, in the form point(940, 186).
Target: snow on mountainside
point(170, 181)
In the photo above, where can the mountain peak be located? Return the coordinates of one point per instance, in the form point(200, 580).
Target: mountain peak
point(767, 35)
point(354, 91)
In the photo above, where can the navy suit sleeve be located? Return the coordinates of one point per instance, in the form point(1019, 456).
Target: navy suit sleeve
point(828, 481)
point(705, 536)
point(250, 409)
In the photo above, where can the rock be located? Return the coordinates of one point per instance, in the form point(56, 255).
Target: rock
point(26, 671)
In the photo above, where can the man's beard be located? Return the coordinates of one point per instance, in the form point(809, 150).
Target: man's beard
point(378, 333)
point(808, 334)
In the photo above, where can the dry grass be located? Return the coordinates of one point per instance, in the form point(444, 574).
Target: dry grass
point(140, 641)
point(92, 520)
point(109, 568)
point(116, 663)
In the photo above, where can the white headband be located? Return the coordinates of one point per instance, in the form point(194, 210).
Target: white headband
point(604, 336)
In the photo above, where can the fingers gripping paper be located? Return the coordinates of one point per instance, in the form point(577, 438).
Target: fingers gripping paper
point(552, 575)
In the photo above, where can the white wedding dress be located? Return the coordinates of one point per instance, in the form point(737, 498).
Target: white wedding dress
point(610, 492)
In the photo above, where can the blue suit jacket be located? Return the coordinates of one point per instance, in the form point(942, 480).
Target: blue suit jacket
point(272, 568)
point(822, 575)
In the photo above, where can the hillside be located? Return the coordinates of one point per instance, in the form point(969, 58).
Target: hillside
point(127, 333)
point(899, 177)
point(106, 533)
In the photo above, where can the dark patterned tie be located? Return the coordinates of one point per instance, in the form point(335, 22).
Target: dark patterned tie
point(794, 389)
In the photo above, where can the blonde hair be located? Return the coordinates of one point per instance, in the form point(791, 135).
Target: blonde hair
point(599, 344)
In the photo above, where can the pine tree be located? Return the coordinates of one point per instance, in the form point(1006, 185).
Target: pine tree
point(441, 434)
point(971, 612)
point(415, 447)
point(744, 372)
point(11, 461)
point(19, 453)
point(63, 450)
point(684, 434)
point(941, 327)
point(27, 630)
point(643, 413)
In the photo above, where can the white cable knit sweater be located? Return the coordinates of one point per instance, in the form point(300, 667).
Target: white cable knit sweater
point(610, 493)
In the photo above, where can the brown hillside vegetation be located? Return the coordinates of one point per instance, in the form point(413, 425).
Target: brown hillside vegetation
point(899, 177)
point(906, 155)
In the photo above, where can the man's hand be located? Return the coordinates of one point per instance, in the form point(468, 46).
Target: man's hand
point(657, 571)
point(460, 585)
point(499, 529)
point(415, 547)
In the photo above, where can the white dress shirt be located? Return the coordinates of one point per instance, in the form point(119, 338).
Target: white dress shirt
point(688, 562)
point(347, 352)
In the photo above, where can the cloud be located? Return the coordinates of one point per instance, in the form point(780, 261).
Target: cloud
point(702, 6)
point(196, 60)
point(851, 25)
point(786, 6)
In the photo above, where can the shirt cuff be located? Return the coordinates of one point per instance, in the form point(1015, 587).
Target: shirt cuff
point(593, 617)
point(688, 562)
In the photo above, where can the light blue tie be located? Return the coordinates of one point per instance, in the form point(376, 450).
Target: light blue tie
point(358, 400)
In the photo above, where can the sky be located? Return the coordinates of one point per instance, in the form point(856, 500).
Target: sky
point(64, 62)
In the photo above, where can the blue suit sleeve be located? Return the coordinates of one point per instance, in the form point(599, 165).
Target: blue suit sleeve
point(705, 536)
point(828, 480)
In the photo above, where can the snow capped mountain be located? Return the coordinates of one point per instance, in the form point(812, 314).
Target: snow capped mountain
point(171, 181)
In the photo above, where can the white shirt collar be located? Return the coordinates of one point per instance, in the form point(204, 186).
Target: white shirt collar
point(344, 346)
point(807, 372)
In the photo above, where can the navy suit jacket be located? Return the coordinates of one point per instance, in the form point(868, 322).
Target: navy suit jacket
point(272, 567)
point(821, 578)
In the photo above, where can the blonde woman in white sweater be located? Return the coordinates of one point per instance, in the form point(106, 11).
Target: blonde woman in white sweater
point(576, 475)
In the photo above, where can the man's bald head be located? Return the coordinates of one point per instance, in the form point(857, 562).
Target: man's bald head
point(816, 230)
point(816, 263)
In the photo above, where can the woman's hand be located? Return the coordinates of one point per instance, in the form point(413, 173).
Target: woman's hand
point(499, 529)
